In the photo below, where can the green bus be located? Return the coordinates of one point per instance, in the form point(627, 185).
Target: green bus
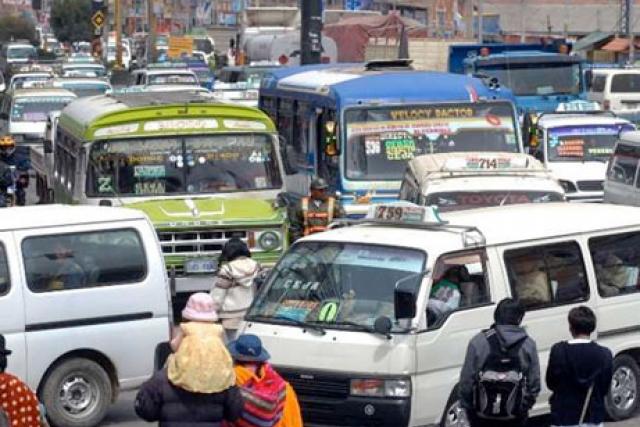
point(203, 172)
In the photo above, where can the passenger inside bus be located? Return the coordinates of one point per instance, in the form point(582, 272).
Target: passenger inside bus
point(531, 284)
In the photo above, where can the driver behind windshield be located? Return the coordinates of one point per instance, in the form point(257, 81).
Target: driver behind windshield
point(445, 294)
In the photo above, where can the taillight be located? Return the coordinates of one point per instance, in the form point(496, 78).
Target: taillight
point(606, 105)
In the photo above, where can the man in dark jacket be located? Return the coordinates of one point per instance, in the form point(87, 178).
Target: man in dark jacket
point(575, 367)
point(508, 316)
point(160, 401)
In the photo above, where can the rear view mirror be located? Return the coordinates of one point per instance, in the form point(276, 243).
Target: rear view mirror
point(404, 302)
point(405, 295)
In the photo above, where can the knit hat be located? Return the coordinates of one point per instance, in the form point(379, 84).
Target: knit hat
point(200, 308)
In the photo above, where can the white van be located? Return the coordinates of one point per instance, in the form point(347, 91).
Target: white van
point(84, 304)
point(576, 148)
point(457, 181)
point(616, 89)
point(622, 184)
point(344, 313)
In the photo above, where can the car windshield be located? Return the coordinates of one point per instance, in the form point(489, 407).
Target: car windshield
point(190, 165)
point(37, 109)
point(203, 45)
point(96, 71)
point(380, 141)
point(336, 284)
point(462, 200)
point(537, 79)
point(82, 90)
point(19, 81)
point(583, 143)
point(172, 79)
point(21, 52)
point(203, 74)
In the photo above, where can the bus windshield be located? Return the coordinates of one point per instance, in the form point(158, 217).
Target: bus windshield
point(583, 143)
point(463, 200)
point(537, 79)
point(183, 165)
point(337, 285)
point(37, 109)
point(380, 141)
point(22, 52)
point(172, 79)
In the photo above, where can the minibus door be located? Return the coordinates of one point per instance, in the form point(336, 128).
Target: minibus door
point(12, 317)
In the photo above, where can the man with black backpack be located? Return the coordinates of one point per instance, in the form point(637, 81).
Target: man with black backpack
point(500, 378)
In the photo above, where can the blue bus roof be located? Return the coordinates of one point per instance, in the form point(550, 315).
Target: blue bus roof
point(351, 84)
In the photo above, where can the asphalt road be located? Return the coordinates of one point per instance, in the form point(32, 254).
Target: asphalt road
point(122, 415)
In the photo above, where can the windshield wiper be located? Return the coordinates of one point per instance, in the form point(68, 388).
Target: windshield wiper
point(304, 325)
point(360, 327)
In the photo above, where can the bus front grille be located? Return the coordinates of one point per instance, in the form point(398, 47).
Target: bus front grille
point(197, 242)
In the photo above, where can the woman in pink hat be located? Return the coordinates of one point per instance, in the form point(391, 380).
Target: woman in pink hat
point(197, 387)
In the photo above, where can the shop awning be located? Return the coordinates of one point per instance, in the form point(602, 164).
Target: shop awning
point(618, 45)
point(590, 39)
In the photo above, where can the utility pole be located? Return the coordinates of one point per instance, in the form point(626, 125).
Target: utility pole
point(630, 33)
point(151, 22)
point(311, 32)
point(480, 21)
point(118, 24)
point(523, 31)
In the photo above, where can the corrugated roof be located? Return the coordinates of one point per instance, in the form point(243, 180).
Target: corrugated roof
point(589, 40)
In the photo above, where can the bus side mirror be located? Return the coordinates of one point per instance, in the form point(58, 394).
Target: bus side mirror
point(4, 116)
point(404, 301)
point(287, 152)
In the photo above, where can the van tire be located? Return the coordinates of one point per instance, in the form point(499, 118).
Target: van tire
point(88, 394)
point(623, 398)
point(449, 419)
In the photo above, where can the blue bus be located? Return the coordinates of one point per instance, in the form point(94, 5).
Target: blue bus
point(357, 125)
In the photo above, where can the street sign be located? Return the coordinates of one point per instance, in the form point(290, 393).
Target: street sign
point(98, 19)
point(179, 46)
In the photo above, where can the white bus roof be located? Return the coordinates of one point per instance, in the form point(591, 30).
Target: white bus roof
point(498, 225)
point(425, 166)
point(60, 215)
point(561, 120)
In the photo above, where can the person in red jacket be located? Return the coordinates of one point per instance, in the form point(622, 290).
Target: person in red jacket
point(19, 403)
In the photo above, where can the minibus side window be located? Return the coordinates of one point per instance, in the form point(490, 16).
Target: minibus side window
point(616, 260)
point(545, 276)
point(83, 260)
point(460, 281)
point(408, 189)
point(5, 281)
point(624, 164)
point(598, 83)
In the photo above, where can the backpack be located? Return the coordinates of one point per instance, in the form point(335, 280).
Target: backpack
point(263, 400)
point(499, 389)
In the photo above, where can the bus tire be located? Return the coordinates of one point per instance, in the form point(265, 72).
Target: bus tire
point(77, 393)
point(622, 400)
point(451, 414)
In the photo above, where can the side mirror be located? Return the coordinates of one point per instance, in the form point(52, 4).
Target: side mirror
point(4, 116)
point(48, 146)
point(262, 277)
point(404, 302)
point(288, 153)
point(383, 326)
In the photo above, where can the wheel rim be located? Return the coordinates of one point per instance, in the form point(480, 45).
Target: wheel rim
point(79, 395)
point(624, 388)
point(455, 416)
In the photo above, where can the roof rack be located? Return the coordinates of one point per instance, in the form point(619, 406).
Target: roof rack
point(471, 235)
point(383, 64)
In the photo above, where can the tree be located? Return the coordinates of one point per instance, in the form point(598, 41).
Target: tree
point(71, 20)
point(16, 27)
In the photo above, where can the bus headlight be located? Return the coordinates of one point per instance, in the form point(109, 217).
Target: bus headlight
point(269, 240)
point(370, 387)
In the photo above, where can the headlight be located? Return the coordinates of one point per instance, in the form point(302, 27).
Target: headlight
point(269, 240)
point(568, 186)
point(371, 387)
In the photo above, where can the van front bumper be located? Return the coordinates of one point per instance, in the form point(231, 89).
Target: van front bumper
point(355, 411)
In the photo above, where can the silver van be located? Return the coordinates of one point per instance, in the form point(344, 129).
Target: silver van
point(622, 184)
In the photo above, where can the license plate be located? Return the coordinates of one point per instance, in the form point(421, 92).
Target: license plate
point(203, 265)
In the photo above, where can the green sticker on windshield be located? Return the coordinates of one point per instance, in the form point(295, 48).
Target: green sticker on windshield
point(329, 312)
point(149, 171)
